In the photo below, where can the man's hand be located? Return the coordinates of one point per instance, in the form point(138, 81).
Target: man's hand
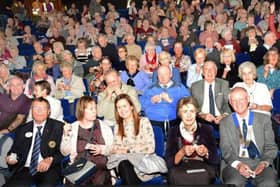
point(156, 99)
point(243, 169)
point(259, 169)
point(45, 164)
point(11, 161)
point(166, 97)
point(208, 117)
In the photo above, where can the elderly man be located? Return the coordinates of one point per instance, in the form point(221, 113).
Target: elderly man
point(14, 107)
point(211, 94)
point(106, 99)
point(35, 156)
point(247, 144)
point(160, 99)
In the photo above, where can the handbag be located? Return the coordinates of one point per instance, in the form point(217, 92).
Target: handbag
point(80, 169)
point(152, 164)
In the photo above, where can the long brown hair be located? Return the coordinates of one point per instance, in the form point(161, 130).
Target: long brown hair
point(119, 119)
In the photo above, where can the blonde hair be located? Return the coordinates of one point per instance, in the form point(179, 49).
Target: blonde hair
point(227, 52)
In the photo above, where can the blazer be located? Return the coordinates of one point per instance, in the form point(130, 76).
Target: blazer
point(206, 138)
point(50, 143)
point(221, 94)
point(264, 136)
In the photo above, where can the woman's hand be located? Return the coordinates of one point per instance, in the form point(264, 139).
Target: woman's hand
point(189, 150)
point(95, 149)
point(201, 150)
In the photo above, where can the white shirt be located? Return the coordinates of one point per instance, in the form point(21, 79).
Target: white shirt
point(258, 93)
point(205, 106)
point(193, 76)
point(35, 129)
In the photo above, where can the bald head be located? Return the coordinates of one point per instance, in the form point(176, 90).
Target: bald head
point(164, 74)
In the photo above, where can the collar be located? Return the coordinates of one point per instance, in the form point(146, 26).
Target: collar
point(188, 136)
point(169, 84)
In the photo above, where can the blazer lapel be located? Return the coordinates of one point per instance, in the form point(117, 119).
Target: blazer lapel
point(46, 134)
point(258, 135)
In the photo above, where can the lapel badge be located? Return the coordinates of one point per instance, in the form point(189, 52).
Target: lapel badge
point(52, 144)
point(28, 134)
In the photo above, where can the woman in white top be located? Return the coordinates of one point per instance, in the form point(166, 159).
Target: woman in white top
point(260, 100)
point(88, 137)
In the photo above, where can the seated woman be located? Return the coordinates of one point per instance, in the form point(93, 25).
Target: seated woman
point(269, 73)
point(133, 77)
point(195, 70)
point(69, 86)
point(88, 136)
point(190, 146)
point(132, 134)
point(228, 69)
point(39, 72)
point(260, 100)
point(16, 62)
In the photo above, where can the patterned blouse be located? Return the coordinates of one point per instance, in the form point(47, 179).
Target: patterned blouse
point(142, 143)
point(272, 79)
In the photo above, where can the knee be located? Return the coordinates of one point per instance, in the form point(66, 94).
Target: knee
point(268, 182)
point(123, 165)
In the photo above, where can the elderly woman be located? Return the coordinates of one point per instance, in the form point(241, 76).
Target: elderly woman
point(260, 100)
point(269, 73)
point(149, 60)
point(88, 137)
point(77, 66)
point(190, 146)
point(228, 70)
point(69, 86)
point(228, 42)
point(82, 51)
point(132, 135)
point(195, 70)
point(39, 72)
point(165, 60)
point(133, 76)
point(4, 78)
point(16, 61)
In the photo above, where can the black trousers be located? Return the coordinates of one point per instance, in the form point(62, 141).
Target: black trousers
point(127, 173)
point(23, 178)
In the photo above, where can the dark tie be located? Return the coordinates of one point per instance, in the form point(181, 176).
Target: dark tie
point(244, 130)
point(211, 101)
point(35, 152)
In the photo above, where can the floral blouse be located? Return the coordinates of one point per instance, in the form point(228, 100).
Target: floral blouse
point(142, 143)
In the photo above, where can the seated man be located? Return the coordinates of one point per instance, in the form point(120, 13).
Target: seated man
point(14, 107)
point(106, 99)
point(35, 156)
point(43, 89)
point(211, 94)
point(160, 99)
point(247, 143)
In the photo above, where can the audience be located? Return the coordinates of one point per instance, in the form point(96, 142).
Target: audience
point(222, 32)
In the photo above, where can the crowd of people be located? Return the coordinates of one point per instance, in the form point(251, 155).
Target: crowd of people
point(177, 65)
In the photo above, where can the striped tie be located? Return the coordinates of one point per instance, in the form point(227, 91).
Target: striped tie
point(35, 152)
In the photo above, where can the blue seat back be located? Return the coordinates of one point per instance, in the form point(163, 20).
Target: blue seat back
point(159, 141)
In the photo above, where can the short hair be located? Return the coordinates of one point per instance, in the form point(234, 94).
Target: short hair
point(227, 51)
point(110, 72)
point(58, 44)
point(184, 101)
point(265, 58)
point(131, 58)
point(249, 65)
point(49, 53)
point(226, 30)
point(66, 65)
point(122, 47)
point(41, 100)
point(149, 45)
point(199, 50)
point(164, 55)
point(38, 63)
point(235, 89)
point(44, 85)
point(81, 106)
point(82, 41)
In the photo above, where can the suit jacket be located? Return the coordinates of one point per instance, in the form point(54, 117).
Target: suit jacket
point(262, 128)
point(50, 143)
point(221, 94)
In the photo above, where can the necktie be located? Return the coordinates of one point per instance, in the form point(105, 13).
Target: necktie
point(35, 152)
point(211, 101)
point(244, 130)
